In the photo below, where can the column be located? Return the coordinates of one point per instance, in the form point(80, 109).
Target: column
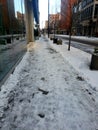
point(29, 17)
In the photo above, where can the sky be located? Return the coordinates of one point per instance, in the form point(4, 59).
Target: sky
point(43, 8)
point(18, 6)
point(54, 6)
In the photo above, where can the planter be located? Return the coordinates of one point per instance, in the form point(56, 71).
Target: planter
point(2, 41)
point(51, 38)
point(94, 62)
point(17, 38)
point(59, 42)
point(8, 40)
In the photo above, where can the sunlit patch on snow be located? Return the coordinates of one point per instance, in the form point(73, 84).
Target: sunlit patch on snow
point(31, 46)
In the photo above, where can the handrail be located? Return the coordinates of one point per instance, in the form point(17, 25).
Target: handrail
point(9, 36)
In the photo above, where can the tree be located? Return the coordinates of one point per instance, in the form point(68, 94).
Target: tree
point(66, 17)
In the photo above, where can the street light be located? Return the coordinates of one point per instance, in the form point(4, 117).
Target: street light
point(22, 18)
point(70, 25)
point(48, 18)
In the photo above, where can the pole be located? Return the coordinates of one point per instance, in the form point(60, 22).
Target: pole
point(48, 18)
point(70, 26)
point(22, 18)
point(29, 21)
point(10, 20)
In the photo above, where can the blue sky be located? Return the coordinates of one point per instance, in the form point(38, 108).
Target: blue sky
point(18, 5)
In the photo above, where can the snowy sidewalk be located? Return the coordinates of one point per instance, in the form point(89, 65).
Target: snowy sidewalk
point(46, 93)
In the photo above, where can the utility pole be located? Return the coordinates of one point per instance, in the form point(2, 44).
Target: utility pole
point(29, 21)
point(48, 18)
point(97, 24)
point(22, 18)
point(70, 28)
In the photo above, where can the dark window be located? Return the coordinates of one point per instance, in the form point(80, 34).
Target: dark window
point(89, 1)
point(96, 11)
point(83, 3)
point(87, 13)
point(86, 2)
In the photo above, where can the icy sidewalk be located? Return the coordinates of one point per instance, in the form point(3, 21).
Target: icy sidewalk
point(47, 93)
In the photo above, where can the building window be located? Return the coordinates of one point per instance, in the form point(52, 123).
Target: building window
point(83, 3)
point(96, 11)
point(86, 2)
point(87, 13)
point(90, 1)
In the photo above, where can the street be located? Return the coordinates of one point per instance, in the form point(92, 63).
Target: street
point(84, 47)
point(82, 44)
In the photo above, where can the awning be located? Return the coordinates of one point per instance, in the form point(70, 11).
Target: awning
point(36, 10)
point(33, 5)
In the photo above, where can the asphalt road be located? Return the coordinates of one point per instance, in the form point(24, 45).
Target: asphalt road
point(84, 45)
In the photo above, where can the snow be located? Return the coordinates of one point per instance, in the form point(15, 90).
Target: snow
point(83, 38)
point(95, 39)
point(11, 82)
point(80, 61)
point(50, 89)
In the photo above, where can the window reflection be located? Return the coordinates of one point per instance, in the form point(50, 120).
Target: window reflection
point(12, 34)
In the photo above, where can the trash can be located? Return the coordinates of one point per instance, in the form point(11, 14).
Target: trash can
point(59, 42)
point(94, 62)
point(17, 38)
point(55, 40)
point(8, 39)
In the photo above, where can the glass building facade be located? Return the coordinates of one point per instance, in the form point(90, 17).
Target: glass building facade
point(12, 35)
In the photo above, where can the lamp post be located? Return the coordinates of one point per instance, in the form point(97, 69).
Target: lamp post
point(70, 7)
point(48, 18)
point(22, 18)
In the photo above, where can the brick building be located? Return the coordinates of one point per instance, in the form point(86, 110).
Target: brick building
point(54, 21)
point(46, 24)
point(8, 15)
point(66, 14)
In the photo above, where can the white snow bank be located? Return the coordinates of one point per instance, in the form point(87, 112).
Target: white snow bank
point(80, 61)
point(95, 39)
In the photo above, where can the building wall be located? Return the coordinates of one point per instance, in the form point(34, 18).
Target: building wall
point(89, 17)
point(76, 21)
point(46, 24)
point(54, 20)
point(1, 21)
point(8, 14)
point(21, 22)
point(20, 16)
point(54, 17)
point(66, 13)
